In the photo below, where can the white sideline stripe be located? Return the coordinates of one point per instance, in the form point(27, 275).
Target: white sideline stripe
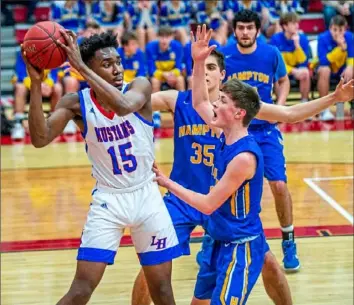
point(332, 178)
point(329, 200)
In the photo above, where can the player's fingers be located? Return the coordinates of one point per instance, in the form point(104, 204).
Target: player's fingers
point(66, 37)
point(63, 46)
point(198, 32)
point(341, 82)
point(208, 36)
point(65, 64)
point(211, 48)
point(72, 35)
point(192, 37)
point(203, 32)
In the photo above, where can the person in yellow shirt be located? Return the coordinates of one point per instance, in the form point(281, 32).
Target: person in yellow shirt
point(336, 56)
point(294, 47)
point(51, 89)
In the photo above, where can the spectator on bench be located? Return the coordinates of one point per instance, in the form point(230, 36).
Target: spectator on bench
point(294, 47)
point(143, 15)
point(164, 59)
point(176, 15)
point(51, 89)
point(133, 59)
point(336, 56)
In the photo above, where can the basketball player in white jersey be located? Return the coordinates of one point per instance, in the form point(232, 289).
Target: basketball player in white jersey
point(118, 132)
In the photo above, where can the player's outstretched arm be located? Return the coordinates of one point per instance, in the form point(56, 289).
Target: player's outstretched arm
point(134, 99)
point(299, 112)
point(200, 95)
point(42, 130)
point(164, 100)
point(240, 169)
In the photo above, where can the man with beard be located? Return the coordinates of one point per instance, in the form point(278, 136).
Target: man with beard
point(262, 66)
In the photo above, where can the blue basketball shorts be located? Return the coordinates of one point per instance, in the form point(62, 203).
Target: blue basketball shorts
point(231, 270)
point(270, 140)
point(184, 218)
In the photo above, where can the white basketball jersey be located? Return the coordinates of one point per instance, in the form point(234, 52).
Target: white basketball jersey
point(120, 149)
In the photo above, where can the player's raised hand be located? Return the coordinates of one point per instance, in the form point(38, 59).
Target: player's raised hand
point(344, 91)
point(200, 43)
point(72, 49)
point(160, 178)
point(34, 73)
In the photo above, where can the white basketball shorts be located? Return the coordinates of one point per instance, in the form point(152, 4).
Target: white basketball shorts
point(144, 212)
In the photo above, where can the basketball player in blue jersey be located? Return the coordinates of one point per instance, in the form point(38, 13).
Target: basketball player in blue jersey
point(116, 125)
point(231, 209)
point(194, 145)
point(262, 66)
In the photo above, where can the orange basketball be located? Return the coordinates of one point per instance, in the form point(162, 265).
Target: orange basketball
point(40, 45)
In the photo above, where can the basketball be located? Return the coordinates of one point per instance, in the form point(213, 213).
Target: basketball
point(40, 45)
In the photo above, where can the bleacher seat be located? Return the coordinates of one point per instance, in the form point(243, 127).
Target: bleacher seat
point(20, 31)
point(8, 57)
point(41, 12)
point(315, 6)
point(6, 77)
point(7, 36)
point(312, 23)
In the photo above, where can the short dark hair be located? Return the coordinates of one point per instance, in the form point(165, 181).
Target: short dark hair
point(128, 36)
point(90, 45)
point(165, 31)
point(247, 16)
point(220, 59)
point(288, 17)
point(244, 96)
point(338, 20)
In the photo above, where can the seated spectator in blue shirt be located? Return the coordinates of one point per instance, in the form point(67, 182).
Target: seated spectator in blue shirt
point(164, 58)
point(143, 20)
point(51, 89)
point(176, 14)
point(133, 59)
point(294, 47)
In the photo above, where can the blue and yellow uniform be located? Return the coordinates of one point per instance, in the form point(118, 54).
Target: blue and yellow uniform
point(134, 65)
point(21, 76)
point(110, 19)
point(188, 61)
point(174, 17)
point(331, 55)
point(194, 145)
point(240, 244)
point(261, 74)
point(293, 58)
point(69, 18)
point(167, 61)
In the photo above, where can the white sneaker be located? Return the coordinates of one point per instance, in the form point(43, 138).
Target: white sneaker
point(70, 128)
point(327, 115)
point(18, 132)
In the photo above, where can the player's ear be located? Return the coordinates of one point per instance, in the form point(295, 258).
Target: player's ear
point(223, 74)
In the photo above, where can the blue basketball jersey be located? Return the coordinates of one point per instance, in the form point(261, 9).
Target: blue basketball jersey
point(238, 217)
point(260, 69)
point(194, 145)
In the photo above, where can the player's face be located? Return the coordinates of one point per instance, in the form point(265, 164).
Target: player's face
point(213, 74)
point(337, 31)
point(246, 34)
point(224, 111)
point(292, 28)
point(164, 42)
point(107, 64)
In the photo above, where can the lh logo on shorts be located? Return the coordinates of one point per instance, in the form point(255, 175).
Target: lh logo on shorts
point(160, 243)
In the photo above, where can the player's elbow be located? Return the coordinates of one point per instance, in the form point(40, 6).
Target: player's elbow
point(208, 208)
point(39, 144)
